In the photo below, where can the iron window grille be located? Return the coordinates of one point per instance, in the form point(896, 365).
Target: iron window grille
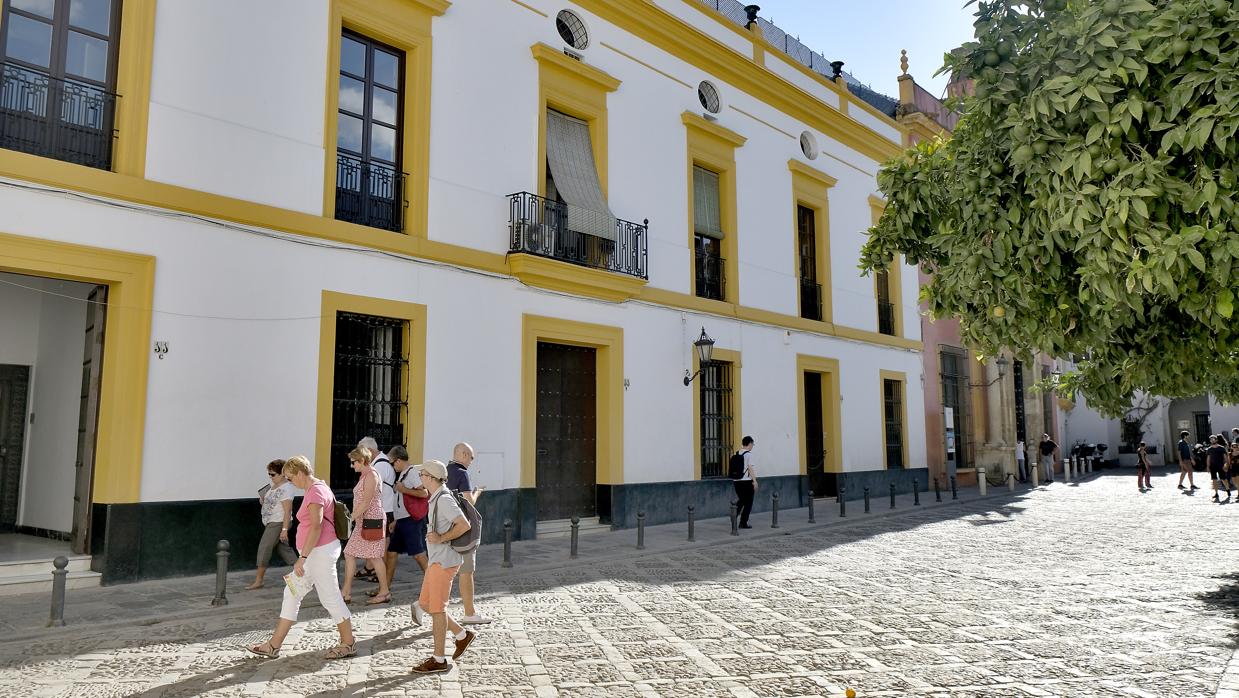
point(540, 226)
point(810, 290)
point(707, 94)
point(572, 30)
point(709, 270)
point(810, 299)
point(716, 418)
point(1021, 418)
point(886, 309)
point(892, 413)
point(954, 377)
point(368, 397)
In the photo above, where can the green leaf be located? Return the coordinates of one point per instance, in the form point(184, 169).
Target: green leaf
point(1091, 92)
point(1196, 258)
point(1225, 305)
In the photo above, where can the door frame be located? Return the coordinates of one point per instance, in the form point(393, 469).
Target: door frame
point(829, 369)
point(608, 343)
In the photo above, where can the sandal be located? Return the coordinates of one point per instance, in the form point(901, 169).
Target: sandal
point(347, 599)
point(341, 651)
point(271, 651)
point(386, 598)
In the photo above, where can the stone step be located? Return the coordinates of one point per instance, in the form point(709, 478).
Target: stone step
point(42, 583)
point(36, 566)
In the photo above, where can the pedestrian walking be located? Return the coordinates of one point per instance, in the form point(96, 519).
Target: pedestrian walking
point(1232, 465)
point(743, 473)
point(316, 567)
point(408, 535)
point(1142, 469)
point(1217, 458)
point(276, 500)
point(458, 481)
point(1048, 450)
point(1185, 462)
point(1021, 462)
point(387, 476)
point(368, 541)
point(446, 523)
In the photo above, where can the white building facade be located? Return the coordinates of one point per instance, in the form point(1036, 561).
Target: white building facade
point(495, 221)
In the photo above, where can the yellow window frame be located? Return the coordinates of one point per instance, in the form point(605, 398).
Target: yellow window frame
point(713, 147)
point(578, 90)
point(894, 273)
point(737, 433)
point(902, 378)
point(831, 406)
point(809, 189)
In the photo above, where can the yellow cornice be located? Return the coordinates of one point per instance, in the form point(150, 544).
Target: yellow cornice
point(921, 125)
point(877, 204)
point(813, 173)
point(721, 133)
point(551, 58)
point(573, 279)
point(437, 7)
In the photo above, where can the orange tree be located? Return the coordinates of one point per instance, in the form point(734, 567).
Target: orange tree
point(1086, 201)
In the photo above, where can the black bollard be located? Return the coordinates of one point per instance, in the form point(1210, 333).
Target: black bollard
point(866, 500)
point(955, 490)
point(774, 510)
point(507, 543)
point(843, 503)
point(640, 530)
point(892, 495)
point(735, 530)
point(916, 493)
point(59, 575)
point(221, 574)
point(576, 526)
point(691, 537)
point(937, 490)
point(811, 520)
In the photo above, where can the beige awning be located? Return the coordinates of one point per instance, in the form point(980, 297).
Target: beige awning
point(570, 155)
point(707, 214)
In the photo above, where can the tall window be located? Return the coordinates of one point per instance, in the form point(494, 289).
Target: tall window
point(369, 182)
point(955, 396)
point(716, 418)
point(886, 308)
point(57, 78)
point(810, 289)
point(368, 397)
point(708, 238)
point(1021, 420)
point(892, 417)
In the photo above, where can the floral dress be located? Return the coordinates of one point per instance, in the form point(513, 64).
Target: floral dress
point(358, 546)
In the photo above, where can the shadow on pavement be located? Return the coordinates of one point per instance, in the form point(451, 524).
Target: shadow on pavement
point(1225, 599)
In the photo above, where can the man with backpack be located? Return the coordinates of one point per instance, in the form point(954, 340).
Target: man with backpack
point(447, 524)
point(409, 535)
point(459, 483)
point(741, 470)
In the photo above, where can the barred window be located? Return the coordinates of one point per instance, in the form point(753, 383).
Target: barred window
point(716, 418)
point(368, 398)
point(892, 414)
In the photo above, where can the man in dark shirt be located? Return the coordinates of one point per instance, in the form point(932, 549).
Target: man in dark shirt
point(1216, 456)
point(1185, 461)
point(1047, 448)
point(458, 481)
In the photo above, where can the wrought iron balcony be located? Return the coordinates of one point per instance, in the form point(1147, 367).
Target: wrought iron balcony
point(369, 193)
point(886, 318)
point(55, 118)
point(810, 299)
point(543, 228)
point(711, 282)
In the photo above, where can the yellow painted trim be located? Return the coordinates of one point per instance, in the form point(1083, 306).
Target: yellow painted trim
point(133, 84)
point(831, 410)
point(576, 280)
point(921, 125)
point(809, 189)
point(578, 90)
point(884, 375)
point(609, 345)
point(737, 430)
point(404, 25)
point(764, 122)
point(894, 274)
point(130, 279)
point(714, 147)
point(414, 383)
point(634, 59)
point(531, 8)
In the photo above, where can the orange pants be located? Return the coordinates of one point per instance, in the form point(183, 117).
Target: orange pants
point(436, 586)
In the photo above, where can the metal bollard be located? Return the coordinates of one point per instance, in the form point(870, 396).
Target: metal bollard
point(576, 531)
point(892, 495)
point(59, 576)
point(916, 493)
point(954, 490)
point(981, 481)
point(221, 574)
point(843, 503)
point(937, 490)
point(811, 520)
point(866, 500)
point(691, 537)
point(774, 510)
point(735, 529)
point(640, 530)
point(507, 543)
point(1068, 466)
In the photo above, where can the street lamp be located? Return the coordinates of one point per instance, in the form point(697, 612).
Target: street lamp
point(705, 349)
point(1001, 362)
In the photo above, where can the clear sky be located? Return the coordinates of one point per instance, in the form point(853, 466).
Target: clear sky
point(868, 34)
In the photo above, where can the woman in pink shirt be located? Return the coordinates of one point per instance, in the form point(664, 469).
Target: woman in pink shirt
point(318, 549)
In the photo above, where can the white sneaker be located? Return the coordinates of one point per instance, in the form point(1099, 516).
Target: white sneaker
point(417, 613)
point(475, 620)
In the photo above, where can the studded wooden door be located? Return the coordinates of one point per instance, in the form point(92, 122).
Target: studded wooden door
point(14, 384)
point(567, 451)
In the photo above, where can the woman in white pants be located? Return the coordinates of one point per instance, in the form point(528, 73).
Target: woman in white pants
point(319, 549)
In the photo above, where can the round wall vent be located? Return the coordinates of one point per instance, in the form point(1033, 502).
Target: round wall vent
point(708, 94)
point(572, 29)
point(808, 145)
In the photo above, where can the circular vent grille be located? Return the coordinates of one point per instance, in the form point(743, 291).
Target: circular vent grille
point(572, 29)
point(808, 145)
point(708, 94)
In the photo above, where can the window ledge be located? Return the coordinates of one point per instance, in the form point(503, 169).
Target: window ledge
point(570, 278)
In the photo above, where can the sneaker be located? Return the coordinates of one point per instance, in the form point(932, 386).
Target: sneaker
point(462, 645)
point(430, 666)
point(475, 620)
point(417, 613)
point(1182, 487)
point(744, 526)
point(1195, 487)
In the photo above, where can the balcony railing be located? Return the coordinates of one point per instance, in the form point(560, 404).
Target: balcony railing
point(810, 299)
point(543, 228)
point(711, 282)
point(55, 118)
point(369, 193)
point(886, 318)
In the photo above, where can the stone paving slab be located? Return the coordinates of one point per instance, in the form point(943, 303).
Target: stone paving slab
point(1088, 590)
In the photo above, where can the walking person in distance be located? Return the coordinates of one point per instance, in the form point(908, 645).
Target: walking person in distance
point(742, 471)
point(1143, 483)
point(1185, 462)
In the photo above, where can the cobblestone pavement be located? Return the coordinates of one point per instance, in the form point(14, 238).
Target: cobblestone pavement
point(1071, 590)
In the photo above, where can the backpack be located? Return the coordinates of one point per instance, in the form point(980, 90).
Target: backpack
point(469, 539)
point(416, 506)
point(340, 519)
point(735, 466)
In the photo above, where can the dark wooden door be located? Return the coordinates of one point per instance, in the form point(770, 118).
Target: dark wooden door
point(14, 384)
point(88, 417)
point(814, 434)
point(567, 451)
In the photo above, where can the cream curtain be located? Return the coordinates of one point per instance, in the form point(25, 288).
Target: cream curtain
point(707, 214)
point(570, 155)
